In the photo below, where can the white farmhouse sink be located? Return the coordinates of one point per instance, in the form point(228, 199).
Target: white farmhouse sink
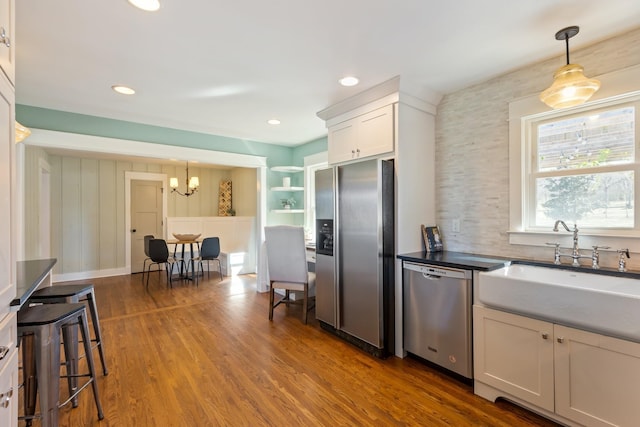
point(597, 302)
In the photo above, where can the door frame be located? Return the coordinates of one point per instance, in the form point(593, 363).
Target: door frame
point(44, 209)
point(140, 176)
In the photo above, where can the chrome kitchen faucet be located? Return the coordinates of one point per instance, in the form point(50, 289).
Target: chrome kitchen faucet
point(575, 252)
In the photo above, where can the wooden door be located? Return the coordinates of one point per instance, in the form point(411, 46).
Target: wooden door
point(146, 218)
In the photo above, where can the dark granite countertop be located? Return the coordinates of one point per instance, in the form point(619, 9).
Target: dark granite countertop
point(29, 274)
point(457, 260)
point(479, 262)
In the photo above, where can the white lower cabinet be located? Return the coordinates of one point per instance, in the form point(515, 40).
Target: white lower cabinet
point(514, 354)
point(9, 390)
point(597, 378)
point(8, 372)
point(574, 376)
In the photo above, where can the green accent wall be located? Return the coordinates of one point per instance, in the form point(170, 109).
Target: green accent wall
point(62, 121)
point(313, 147)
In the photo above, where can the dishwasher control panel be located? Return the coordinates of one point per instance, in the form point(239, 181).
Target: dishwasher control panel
point(438, 271)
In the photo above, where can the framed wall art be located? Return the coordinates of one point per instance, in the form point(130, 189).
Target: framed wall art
point(432, 238)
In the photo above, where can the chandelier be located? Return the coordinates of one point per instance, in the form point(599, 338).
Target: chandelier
point(570, 86)
point(192, 184)
point(21, 132)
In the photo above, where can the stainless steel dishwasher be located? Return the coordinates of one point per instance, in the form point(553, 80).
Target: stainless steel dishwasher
point(437, 315)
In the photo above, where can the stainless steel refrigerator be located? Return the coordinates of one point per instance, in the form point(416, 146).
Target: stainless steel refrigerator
point(355, 253)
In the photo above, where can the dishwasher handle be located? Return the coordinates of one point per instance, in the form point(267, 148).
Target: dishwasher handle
point(433, 272)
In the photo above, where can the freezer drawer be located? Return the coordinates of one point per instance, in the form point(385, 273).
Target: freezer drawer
point(437, 316)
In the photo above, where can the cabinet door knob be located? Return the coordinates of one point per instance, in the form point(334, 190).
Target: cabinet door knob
point(5, 398)
point(560, 340)
point(545, 335)
point(3, 37)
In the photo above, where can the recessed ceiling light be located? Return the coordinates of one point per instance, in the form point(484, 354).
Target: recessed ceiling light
point(349, 81)
point(123, 89)
point(148, 5)
point(273, 121)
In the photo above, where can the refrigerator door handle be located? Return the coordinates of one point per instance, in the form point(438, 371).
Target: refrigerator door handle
point(336, 246)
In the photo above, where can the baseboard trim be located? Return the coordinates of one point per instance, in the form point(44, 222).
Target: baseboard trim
point(84, 275)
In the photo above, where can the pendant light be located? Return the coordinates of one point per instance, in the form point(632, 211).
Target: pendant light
point(570, 86)
point(21, 132)
point(192, 184)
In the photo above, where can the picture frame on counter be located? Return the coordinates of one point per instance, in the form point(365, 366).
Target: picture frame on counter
point(432, 238)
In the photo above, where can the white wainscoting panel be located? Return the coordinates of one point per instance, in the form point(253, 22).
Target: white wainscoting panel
point(237, 238)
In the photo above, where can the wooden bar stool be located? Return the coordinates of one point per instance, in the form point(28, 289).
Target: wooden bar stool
point(40, 327)
point(74, 294)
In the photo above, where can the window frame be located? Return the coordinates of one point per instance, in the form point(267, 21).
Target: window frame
point(312, 163)
point(531, 174)
point(618, 88)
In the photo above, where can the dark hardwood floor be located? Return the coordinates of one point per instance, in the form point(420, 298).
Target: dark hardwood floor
point(208, 356)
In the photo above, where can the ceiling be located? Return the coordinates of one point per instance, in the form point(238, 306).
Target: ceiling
point(226, 67)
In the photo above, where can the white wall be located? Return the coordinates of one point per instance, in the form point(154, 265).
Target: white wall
point(472, 150)
point(243, 183)
point(236, 233)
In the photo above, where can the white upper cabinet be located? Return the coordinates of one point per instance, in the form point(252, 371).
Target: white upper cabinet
point(367, 135)
point(7, 39)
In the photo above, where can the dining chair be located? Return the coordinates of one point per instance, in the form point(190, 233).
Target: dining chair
point(209, 251)
point(147, 238)
point(159, 254)
point(287, 264)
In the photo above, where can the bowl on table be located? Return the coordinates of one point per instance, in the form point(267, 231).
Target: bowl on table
point(186, 237)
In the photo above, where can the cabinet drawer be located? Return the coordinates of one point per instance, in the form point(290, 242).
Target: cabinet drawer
point(9, 389)
point(8, 338)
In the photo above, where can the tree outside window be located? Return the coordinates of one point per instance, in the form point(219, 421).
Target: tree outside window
point(584, 169)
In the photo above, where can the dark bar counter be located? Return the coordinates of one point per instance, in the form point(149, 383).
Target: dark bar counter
point(29, 276)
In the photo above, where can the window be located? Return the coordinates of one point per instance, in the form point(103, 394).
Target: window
point(580, 165)
point(583, 168)
point(311, 165)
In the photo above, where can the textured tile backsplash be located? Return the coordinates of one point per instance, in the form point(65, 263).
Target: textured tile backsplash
point(472, 150)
